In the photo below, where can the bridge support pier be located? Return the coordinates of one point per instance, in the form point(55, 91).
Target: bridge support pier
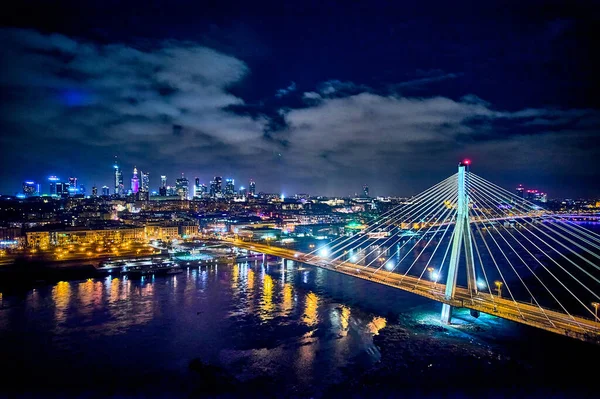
point(446, 313)
point(461, 237)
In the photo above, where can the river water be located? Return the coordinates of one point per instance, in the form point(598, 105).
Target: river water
point(270, 329)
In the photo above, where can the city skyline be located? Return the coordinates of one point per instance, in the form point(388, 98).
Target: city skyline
point(388, 95)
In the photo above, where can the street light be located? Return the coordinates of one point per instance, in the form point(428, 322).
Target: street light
point(595, 305)
point(499, 288)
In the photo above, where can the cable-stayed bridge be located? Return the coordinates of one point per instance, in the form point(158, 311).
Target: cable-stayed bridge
point(467, 242)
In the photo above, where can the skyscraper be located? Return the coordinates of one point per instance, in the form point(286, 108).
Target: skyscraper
point(243, 191)
point(145, 182)
point(119, 187)
point(53, 181)
point(94, 191)
point(73, 183)
point(218, 185)
point(162, 189)
point(197, 188)
point(521, 191)
point(135, 181)
point(182, 187)
point(62, 189)
point(30, 188)
point(252, 188)
point(229, 188)
point(105, 190)
point(366, 190)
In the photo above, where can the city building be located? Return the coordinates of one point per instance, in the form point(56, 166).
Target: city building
point(243, 192)
point(229, 188)
point(216, 187)
point(520, 191)
point(252, 188)
point(162, 189)
point(145, 187)
point(94, 191)
point(105, 190)
point(62, 189)
point(30, 188)
point(119, 187)
point(182, 187)
point(135, 181)
point(73, 183)
point(366, 191)
point(53, 181)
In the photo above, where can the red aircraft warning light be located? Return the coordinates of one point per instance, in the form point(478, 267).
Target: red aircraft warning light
point(465, 162)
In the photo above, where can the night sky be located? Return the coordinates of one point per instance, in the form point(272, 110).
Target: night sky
point(319, 97)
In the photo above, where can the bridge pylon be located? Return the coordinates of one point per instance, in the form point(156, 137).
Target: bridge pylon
point(461, 238)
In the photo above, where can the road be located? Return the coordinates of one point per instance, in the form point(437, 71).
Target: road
point(520, 312)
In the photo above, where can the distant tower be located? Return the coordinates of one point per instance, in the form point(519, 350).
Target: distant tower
point(162, 189)
point(521, 191)
point(119, 187)
point(105, 190)
point(145, 187)
point(229, 188)
point(366, 190)
point(73, 183)
point(197, 188)
point(135, 181)
point(53, 182)
point(94, 191)
point(30, 188)
point(182, 187)
point(252, 188)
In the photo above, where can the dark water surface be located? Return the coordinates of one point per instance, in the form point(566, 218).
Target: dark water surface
point(271, 330)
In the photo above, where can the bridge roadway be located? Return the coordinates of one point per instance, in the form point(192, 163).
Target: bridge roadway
point(520, 312)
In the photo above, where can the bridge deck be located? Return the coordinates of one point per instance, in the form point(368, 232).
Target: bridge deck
point(520, 312)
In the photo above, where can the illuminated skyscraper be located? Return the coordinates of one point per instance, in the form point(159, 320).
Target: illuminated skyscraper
point(197, 188)
point(229, 188)
point(243, 191)
point(521, 191)
point(162, 189)
point(30, 189)
point(119, 187)
point(62, 189)
point(145, 182)
point(182, 187)
point(53, 181)
point(135, 181)
point(366, 190)
point(218, 185)
point(94, 191)
point(252, 188)
point(105, 190)
point(73, 183)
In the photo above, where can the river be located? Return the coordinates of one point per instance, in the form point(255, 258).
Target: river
point(269, 329)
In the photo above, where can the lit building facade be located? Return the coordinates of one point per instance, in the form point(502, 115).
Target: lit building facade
point(135, 181)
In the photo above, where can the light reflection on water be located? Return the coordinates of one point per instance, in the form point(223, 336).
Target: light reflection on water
point(264, 313)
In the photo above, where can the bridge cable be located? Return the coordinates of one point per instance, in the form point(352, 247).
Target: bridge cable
point(419, 207)
point(421, 214)
point(564, 246)
point(541, 264)
point(522, 260)
point(518, 200)
point(392, 212)
point(448, 214)
point(499, 271)
point(575, 229)
point(558, 264)
point(426, 212)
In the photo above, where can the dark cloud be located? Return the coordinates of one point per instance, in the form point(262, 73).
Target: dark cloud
point(70, 105)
